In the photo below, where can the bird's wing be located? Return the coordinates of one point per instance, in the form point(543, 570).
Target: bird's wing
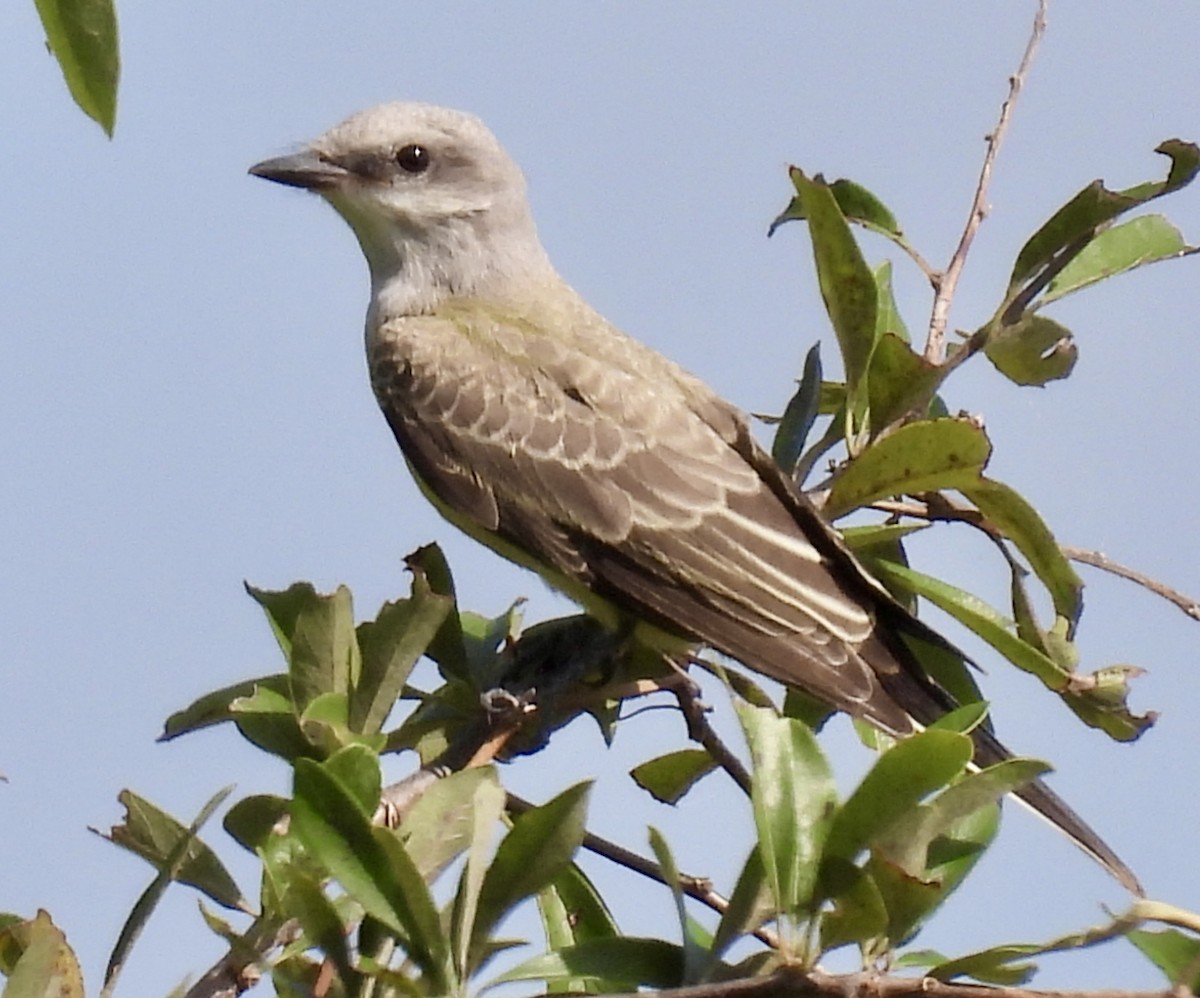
point(644, 488)
point(615, 478)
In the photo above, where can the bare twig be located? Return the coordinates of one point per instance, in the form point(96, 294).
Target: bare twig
point(936, 508)
point(935, 344)
point(697, 888)
point(932, 274)
point(699, 730)
point(947, 511)
point(1102, 561)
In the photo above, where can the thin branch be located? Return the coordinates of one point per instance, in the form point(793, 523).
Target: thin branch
point(932, 274)
point(936, 508)
point(947, 511)
point(700, 731)
point(1102, 561)
point(242, 967)
point(697, 888)
point(793, 981)
point(935, 344)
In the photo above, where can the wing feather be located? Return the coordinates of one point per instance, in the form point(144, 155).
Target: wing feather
point(624, 483)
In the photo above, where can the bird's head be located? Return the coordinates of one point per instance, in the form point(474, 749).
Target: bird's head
point(437, 205)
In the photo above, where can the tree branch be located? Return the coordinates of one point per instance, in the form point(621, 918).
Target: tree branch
point(936, 342)
point(1098, 559)
point(697, 888)
point(945, 510)
point(792, 981)
point(700, 731)
point(242, 967)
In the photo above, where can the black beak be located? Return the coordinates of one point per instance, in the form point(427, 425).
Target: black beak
point(306, 169)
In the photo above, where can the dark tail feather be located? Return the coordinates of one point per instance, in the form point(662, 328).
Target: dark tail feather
point(924, 701)
point(1047, 804)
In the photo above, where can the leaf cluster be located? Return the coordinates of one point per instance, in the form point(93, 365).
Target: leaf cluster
point(907, 456)
point(366, 891)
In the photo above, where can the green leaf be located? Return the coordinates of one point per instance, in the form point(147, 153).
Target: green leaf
point(949, 668)
point(1007, 966)
point(907, 841)
point(858, 914)
point(371, 864)
point(800, 414)
point(1007, 510)
point(847, 284)
point(487, 802)
point(217, 706)
point(668, 777)
point(859, 205)
point(694, 955)
point(445, 819)
point(1099, 702)
point(807, 709)
point(151, 833)
point(1070, 228)
point(538, 848)
point(1124, 247)
point(919, 958)
point(903, 776)
point(322, 924)
point(856, 202)
point(635, 962)
point(900, 381)
point(252, 820)
point(794, 800)
point(1175, 953)
point(447, 649)
point(356, 768)
point(1033, 350)
point(430, 728)
point(888, 318)
point(911, 898)
point(919, 457)
point(316, 635)
point(47, 967)
point(187, 860)
point(484, 639)
point(750, 905)
point(1176, 962)
point(977, 616)
point(884, 536)
point(268, 719)
point(82, 34)
point(962, 720)
point(573, 911)
point(326, 724)
point(907, 898)
point(391, 644)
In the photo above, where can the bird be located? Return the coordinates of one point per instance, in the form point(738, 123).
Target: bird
point(541, 430)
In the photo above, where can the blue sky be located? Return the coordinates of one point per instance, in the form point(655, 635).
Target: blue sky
point(185, 403)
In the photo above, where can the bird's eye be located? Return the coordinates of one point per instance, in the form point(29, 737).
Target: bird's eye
point(413, 159)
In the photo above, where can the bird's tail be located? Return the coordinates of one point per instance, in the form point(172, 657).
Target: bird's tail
point(1048, 805)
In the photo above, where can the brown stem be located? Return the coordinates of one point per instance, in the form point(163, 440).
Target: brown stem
point(700, 731)
point(1102, 561)
point(792, 981)
point(698, 888)
point(936, 342)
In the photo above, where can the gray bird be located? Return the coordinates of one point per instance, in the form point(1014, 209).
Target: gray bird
point(537, 427)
